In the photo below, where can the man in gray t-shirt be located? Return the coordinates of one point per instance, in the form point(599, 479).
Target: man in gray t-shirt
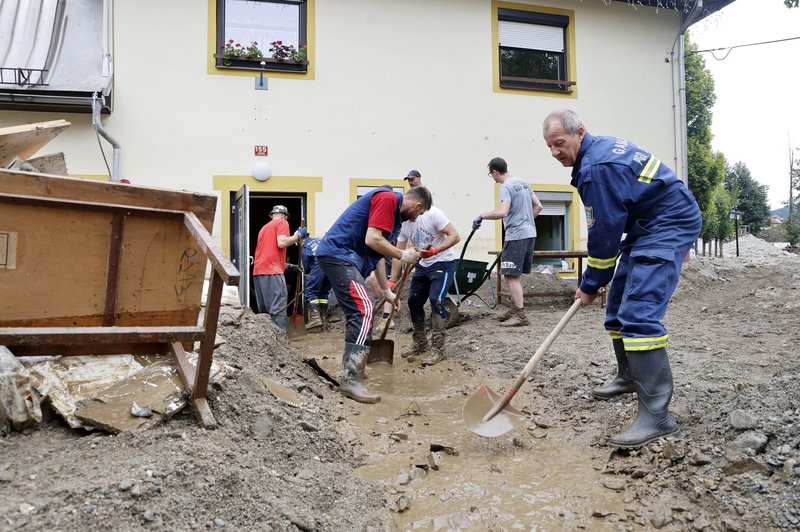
point(518, 207)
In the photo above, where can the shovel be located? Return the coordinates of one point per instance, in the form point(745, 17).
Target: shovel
point(297, 322)
point(489, 415)
point(383, 350)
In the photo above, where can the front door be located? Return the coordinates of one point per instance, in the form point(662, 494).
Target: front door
point(241, 242)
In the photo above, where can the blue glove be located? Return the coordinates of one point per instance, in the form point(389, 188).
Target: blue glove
point(476, 223)
point(301, 233)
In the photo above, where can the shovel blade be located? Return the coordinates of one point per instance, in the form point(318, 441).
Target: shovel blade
point(297, 327)
point(381, 351)
point(479, 404)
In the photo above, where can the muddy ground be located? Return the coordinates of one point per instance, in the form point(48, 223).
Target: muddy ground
point(272, 466)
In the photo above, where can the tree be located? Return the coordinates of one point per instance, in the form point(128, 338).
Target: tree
point(792, 3)
point(749, 196)
point(791, 226)
point(706, 168)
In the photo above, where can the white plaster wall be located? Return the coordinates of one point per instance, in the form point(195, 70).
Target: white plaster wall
point(398, 85)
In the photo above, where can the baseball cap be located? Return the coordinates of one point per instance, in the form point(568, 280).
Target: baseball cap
point(281, 209)
point(412, 174)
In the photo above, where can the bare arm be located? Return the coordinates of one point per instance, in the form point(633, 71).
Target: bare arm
point(286, 241)
point(396, 264)
point(452, 237)
point(537, 205)
point(500, 212)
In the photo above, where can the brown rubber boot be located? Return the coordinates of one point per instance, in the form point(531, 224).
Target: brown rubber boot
point(419, 342)
point(323, 314)
point(437, 341)
point(315, 319)
point(520, 319)
point(354, 361)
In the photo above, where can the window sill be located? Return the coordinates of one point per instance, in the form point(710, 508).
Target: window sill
point(534, 84)
point(254, 63)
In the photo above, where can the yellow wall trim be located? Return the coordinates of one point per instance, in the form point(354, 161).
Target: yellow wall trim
point(225, 184)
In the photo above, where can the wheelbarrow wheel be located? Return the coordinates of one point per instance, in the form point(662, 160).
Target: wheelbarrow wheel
point(452, 317)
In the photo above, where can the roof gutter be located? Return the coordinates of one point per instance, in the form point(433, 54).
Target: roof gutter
point(691, 18)
point(98, 127)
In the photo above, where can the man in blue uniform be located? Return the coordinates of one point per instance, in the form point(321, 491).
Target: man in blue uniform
point(351, 249)
point(317, 286)
point(627, 190)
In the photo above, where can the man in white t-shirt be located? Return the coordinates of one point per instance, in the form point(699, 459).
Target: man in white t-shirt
point(433, 233)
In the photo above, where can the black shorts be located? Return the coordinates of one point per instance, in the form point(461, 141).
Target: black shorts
point(517, 257)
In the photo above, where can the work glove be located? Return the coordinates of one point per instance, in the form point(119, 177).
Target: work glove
point(292, 267)
point(476, 223)
point(392, 283)
point(428, 253)
point(410, 256)
point(301, 233)
point(389, 295)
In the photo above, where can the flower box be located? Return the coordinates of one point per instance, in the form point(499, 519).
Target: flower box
point(254, 63)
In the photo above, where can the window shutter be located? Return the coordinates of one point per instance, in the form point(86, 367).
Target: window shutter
point(553, 208)
point(530, 36)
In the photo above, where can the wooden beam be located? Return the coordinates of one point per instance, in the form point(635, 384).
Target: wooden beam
point(95, 349)
point(36, 336)
point(207, 346)
point(112, 271)
point(185, 368)
point(221, 264)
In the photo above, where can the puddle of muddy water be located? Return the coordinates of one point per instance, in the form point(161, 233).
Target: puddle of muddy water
point(516, 481)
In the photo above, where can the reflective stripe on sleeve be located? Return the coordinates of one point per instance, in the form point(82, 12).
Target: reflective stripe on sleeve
point(649, 170)
point(601, 264)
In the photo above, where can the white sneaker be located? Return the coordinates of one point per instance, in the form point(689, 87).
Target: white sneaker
point(382, 324)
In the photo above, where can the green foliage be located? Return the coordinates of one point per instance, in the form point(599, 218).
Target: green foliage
point(749, 196)
point(792, 3)
point(723, 203)
point(706, 168)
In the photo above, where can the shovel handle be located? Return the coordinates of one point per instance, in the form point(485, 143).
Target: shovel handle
point(299, 281)
point(533, 362)
point(406, 271)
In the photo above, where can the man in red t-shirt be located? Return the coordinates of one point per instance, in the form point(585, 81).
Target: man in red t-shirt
point(270, 264)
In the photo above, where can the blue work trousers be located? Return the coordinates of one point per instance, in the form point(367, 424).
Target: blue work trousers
point(430, 283)
point(647, 274)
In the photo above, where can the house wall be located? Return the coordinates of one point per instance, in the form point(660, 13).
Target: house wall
point(391, 86)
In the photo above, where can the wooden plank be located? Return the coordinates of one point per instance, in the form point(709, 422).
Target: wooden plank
point(212, 250)
point(112, 275)
point(185, 368)
point(149, 319)
point(203, 413)
point(43, 185)
point(89, 349)
point(25, 140)
point(207, 345)
point(98, 335)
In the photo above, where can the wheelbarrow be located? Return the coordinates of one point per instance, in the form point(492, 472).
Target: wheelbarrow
point(468, 279)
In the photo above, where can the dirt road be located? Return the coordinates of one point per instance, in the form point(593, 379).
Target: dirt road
point(332, 464)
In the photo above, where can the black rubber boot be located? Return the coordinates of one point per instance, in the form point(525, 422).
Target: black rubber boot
point(419, 342)
point(354, 361)
point(622, 383)
point(437, 341)
point(652, 378)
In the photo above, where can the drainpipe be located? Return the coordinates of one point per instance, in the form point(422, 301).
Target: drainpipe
point(99, 128)
point(690, 19)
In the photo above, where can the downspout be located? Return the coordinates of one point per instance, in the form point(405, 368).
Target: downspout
point(100, 131)
point(690, 19)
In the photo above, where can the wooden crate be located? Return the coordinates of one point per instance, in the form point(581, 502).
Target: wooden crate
point(101, 268)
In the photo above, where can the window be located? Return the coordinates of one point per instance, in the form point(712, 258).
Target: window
point(532, 50)
point(262, 22)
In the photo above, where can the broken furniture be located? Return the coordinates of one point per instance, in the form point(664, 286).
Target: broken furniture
point(107, 268)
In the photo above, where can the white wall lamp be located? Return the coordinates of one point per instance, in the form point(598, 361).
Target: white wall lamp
point(262, 171)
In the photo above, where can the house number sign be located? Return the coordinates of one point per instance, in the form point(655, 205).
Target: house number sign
point(261, 150)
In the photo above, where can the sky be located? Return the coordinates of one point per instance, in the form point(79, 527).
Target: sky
point(758, 88)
